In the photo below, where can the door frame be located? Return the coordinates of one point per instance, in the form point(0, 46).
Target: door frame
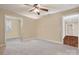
point(63, 28)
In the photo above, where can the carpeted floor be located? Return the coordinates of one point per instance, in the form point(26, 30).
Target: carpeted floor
point(36, 47)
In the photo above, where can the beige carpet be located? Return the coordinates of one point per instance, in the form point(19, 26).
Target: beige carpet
point(36, 47)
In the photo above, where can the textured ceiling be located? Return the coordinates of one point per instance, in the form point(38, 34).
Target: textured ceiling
point(24, 9)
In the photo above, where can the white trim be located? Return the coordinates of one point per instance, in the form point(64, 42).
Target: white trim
point(41, 38)
point(12, 17)
point(11, 37)
point(49, 40)
point(28, 38)
point(63, 32)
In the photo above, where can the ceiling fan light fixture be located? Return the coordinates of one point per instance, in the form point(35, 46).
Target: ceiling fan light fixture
point(36, 10)
point(37, 7)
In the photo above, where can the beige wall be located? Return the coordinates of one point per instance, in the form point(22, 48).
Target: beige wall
point(50, 27)
point(29, 29)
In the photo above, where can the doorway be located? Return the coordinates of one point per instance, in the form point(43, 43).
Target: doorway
point(70, 30)
point(12, 28)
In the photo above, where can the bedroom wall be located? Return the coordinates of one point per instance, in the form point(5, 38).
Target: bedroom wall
point(50, 26)
point(28, 27)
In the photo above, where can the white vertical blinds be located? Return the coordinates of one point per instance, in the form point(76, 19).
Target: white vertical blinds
point(8, 25)
point(71, 24)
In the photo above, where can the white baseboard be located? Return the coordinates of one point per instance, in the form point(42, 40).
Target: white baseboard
point(41, 38)
point(49, 40)
point(12, 37)
point(28, 38)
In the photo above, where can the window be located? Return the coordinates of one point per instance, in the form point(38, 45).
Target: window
point(70, 25)
point(8, 25)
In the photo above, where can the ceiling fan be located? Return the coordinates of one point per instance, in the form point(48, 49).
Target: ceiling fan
point(36, 8)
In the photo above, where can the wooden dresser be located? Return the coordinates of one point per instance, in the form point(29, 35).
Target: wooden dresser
point(71, 41)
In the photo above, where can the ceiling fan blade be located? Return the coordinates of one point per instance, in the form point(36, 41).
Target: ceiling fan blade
point(38, 13)
point(44, 9)
point(31, 10)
